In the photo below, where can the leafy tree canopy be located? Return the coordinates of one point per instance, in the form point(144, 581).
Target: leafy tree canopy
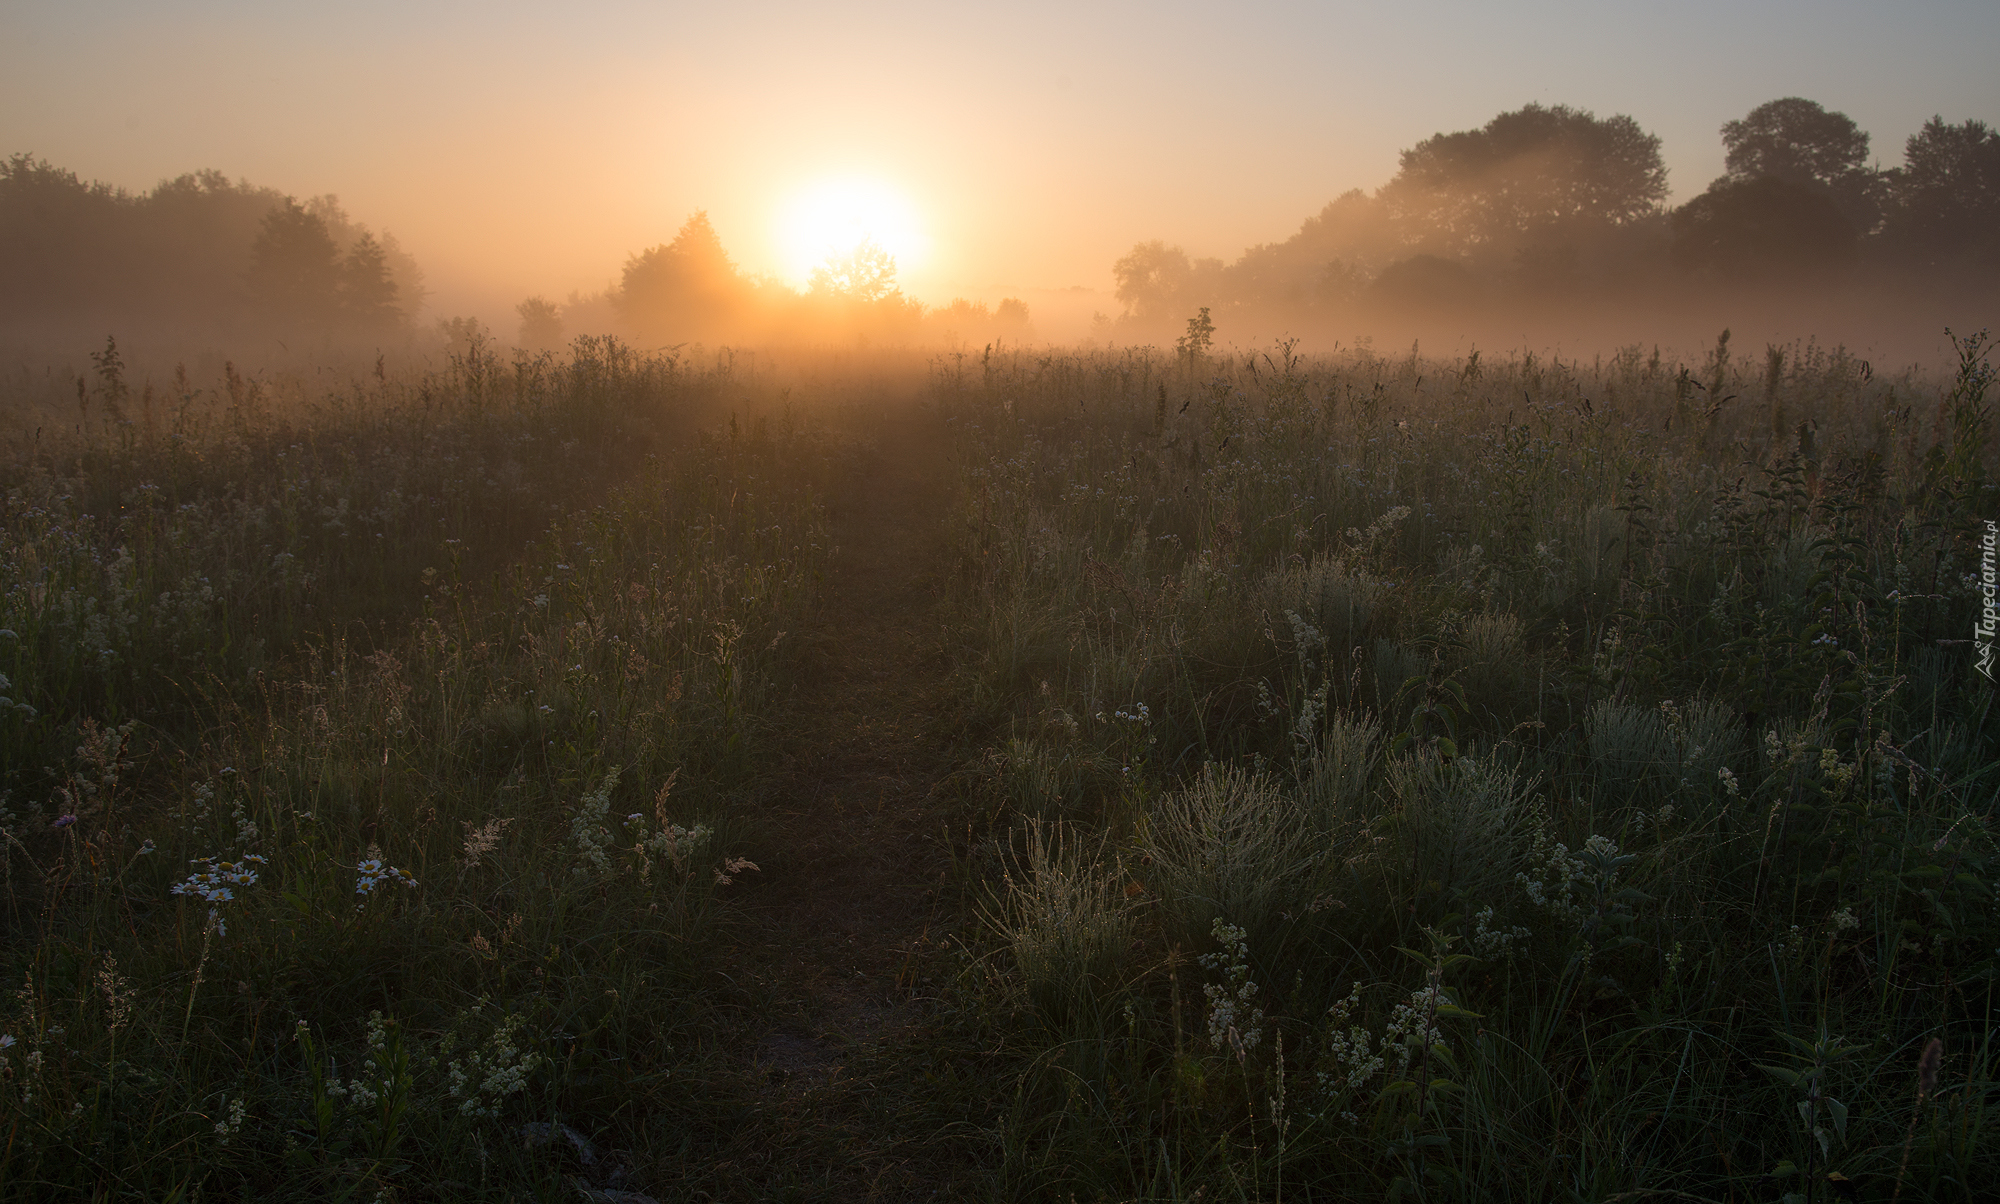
point(1800, 142)
point(1795, 139)
point(1947, 211)
point(1523, 172)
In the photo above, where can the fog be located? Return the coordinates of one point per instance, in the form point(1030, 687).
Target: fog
point(1543, 226)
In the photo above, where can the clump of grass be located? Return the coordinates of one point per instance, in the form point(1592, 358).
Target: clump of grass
point(1065, 915)
point(1230, 845)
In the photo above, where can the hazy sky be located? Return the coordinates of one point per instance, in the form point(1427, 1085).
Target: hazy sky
point(520, 148)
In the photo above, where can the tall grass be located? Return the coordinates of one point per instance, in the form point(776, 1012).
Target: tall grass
point(368, 773)
point(1584, 766)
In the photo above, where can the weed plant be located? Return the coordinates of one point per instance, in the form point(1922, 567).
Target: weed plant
point(1534, 779)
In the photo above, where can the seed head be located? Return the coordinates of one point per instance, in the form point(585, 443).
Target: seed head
point(1927, 1068)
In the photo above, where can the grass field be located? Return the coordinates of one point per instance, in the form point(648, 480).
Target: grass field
point(1114, 775)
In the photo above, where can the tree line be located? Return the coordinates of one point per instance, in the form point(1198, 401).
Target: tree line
point(197, 255)
point(1554, 204)
point(690, 290)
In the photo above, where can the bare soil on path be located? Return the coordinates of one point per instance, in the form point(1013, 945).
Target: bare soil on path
point(850, 901)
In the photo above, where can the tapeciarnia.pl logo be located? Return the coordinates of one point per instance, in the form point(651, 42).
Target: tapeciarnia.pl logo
point(1989, 612)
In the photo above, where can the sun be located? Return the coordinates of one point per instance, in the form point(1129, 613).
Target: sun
point(830, 217)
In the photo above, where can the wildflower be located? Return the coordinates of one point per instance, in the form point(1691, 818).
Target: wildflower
point(588, 836)
point(227, 1127)
point(1729, 784)
point(1490, 940)
point(1232, 1019)
point(214, 881)
point(374, 870)
point(483, 1078)
point(64, 821)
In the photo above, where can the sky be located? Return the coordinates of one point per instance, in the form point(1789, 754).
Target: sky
point(521, 149)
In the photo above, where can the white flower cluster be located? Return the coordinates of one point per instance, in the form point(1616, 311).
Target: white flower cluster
point(1552, 884)
point(360, 1092)
point(485, 1077)
point(1351, 1061)
point(215, 883)
point(589, 838)
point(1233, 1019)
point(1491, 941)
point(1305, 637)
point(1354, 1056)
point(373, 871)
point(229, 1125)
point(246, 828)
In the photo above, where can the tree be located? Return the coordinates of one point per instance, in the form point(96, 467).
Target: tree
point(346, 232)
point(687, 287)
point(1799, 142)
point(1156, 280)
point(1324, 264)
point(1763, 229)
point(294, 265)
point(866, 274)
point(61, 241)
point(1946, 210)
point(367, 291)
point(1534, 174)
point(1423, 284)
point(541, 323)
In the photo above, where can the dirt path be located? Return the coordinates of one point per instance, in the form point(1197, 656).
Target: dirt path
point(848, 901)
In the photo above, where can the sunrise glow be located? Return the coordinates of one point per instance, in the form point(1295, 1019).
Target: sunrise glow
point(831, 217)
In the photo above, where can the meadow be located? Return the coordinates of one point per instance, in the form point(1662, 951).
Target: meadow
point(1335, 776)
point(1486, 779)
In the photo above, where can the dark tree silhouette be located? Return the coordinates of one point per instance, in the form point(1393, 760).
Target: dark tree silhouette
point(1535, 174)
point(197, 256)
point(62, 241)
point(1946, 212)
point(1763, 229)
point(295, 266)
point(1798, 141)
